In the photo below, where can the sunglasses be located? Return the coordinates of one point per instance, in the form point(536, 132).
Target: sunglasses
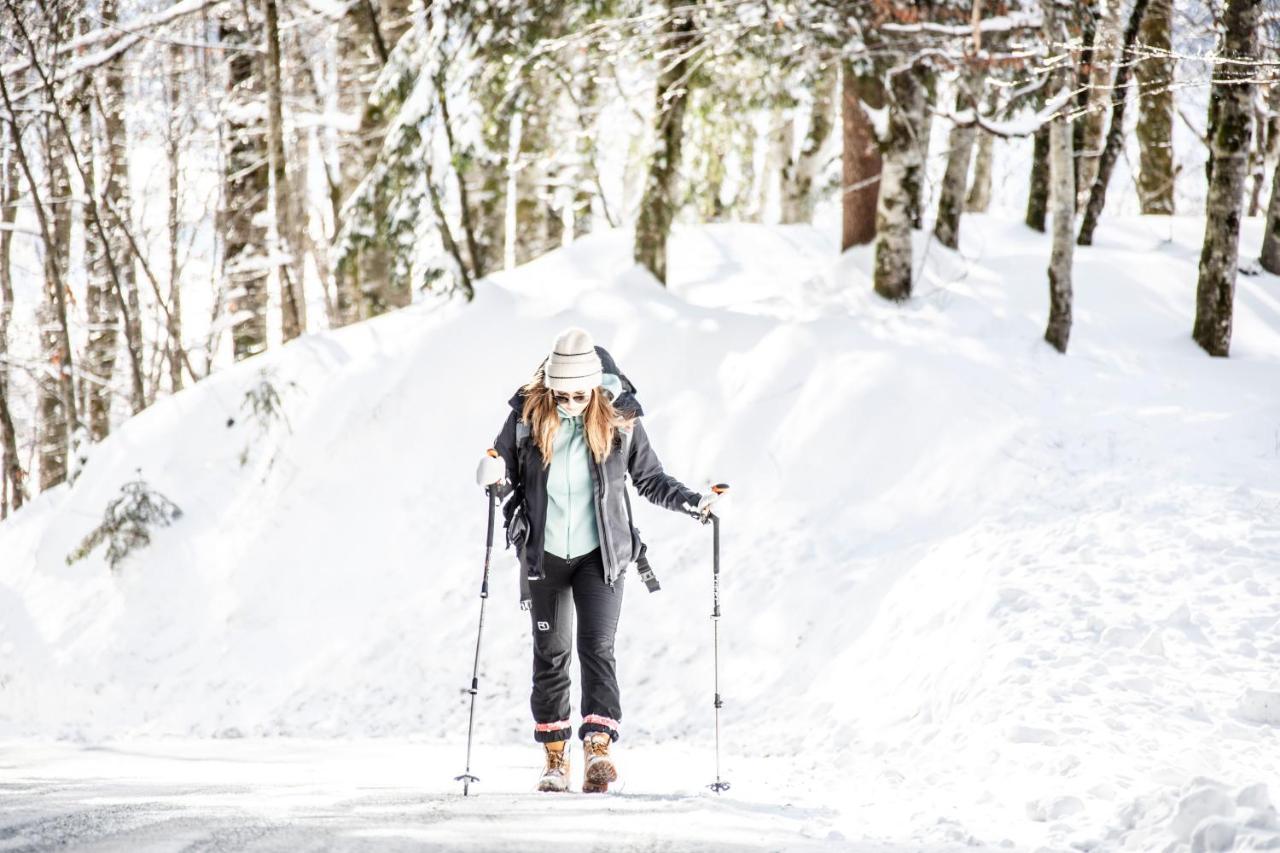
point(578, 397)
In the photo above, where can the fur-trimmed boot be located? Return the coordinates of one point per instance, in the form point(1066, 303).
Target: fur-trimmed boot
point(598, 770)
point(556, 776)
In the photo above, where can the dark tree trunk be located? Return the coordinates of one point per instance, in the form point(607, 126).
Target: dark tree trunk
point(1115, 134)
point(1230, 130)
point(246, 184)
point(860, 160)
point(657, 208)
point(1155, 111)
point(1038, 194)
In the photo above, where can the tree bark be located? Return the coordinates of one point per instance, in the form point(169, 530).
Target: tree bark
point(118, 202)
point(861, 164)
point(1231, 111)
point(799, 174)
point(101, 309)
point(12, 490)
point(1062, 174)
point(955, 180)
point(1107, 29)
point(173, 147)
point(1038, 194)
point(979, 198)
point(293, 317)
point(1270, 255)
point(1115, 134)
point(657, 207)
point(901, 171)
point(1155, 111)
point(246, 183)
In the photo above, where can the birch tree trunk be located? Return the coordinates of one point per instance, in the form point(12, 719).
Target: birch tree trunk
point(955, 180)
point(1155, 111)
point(246, 184)
point(1062, 176)
point(293, 317)
point(657, 207)
point(799, 175)
point(861, 164)
point(901, 170)
point(1230, 130)
point(1115, 133)
point(979, 198)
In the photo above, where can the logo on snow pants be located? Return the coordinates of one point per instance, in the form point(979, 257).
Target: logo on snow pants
point(544, 626)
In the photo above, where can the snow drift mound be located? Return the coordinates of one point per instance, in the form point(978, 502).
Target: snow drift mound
point(1036, 590)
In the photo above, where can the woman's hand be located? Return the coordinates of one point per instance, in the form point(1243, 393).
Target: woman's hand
point(492, 470)
point(713, 503)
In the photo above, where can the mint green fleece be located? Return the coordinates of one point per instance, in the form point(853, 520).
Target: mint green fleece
point(571, 510)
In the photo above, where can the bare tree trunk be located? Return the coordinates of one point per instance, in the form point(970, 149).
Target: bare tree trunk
point(778, 144)
point(917, 169)
point(1155, 111)
point(954, 181)
point(1115, 134)
point(246, 184)
point(1038, 194)
point(101, 309)
point(12, 490)
point(860, 155)
point(288, 240)
point(1270, 255)
point(798, 175)
point(173, 145)
point(1266, 145)
point(979, 198)
point(901, 171)
point(1107, 29)
point(1062, 175)
point(1230, 129)
point(657, 207)
point(118, 202)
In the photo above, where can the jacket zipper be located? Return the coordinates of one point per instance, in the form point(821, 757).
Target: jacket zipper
point(607, 549)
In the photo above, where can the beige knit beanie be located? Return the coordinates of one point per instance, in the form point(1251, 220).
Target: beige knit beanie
point(573, 364)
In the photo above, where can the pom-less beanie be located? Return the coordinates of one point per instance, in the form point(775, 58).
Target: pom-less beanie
point(573, 364)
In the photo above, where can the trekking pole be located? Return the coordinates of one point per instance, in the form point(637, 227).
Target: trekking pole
point(720, 488)
point(466, 778)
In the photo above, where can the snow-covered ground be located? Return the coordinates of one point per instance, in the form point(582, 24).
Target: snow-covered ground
point(974, 592)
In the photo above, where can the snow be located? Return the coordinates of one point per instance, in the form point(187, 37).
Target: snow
point(974, 592)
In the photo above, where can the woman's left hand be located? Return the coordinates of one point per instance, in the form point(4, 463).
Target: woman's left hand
point(713, 503)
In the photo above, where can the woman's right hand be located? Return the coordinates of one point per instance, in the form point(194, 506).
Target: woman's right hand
point(492, 470)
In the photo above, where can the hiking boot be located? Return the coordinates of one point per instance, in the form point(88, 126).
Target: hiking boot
point(556, 776)
point(598, 770)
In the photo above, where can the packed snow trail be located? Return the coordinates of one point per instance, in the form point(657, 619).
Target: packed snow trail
point(292, 795)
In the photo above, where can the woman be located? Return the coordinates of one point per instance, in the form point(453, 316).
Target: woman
point(564, 453)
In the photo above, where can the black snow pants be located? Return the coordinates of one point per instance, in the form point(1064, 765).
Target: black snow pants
point(575, 584)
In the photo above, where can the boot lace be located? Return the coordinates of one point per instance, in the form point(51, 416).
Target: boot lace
point(555, 760)
point(597, 746)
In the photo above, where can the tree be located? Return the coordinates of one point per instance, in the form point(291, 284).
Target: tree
point(1062, 176)
point(1115, 134)
point(657, 207)
point(1154, 74)
point(1230, 131)
point(246, 183)
point(860, 159)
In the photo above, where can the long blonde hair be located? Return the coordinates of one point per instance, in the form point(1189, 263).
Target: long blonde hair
point(600, 418)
